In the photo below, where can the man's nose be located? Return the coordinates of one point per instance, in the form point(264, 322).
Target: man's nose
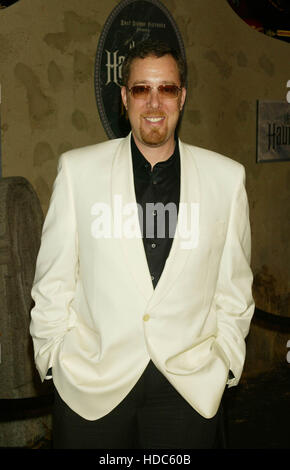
point(154, 98)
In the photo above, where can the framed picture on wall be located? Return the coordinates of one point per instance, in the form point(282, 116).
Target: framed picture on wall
point(270, 17)
point(7, 3)
point(273, 131)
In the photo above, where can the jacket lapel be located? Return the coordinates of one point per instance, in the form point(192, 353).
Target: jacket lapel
point(123, 191)
point(188, 218)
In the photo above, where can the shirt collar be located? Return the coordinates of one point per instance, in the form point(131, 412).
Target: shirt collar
point(141, 164)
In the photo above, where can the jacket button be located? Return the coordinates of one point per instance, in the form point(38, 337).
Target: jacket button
point(146, 317)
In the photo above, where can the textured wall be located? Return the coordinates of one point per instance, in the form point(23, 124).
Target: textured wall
point(47, 53)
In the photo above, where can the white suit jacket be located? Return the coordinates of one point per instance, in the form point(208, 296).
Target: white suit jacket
point(97, 319)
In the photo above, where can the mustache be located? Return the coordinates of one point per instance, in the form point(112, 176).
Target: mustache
point(154, 114)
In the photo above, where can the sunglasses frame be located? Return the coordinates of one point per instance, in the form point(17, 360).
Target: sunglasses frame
point(150, 88)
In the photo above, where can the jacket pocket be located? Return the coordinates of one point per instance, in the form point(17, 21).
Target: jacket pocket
point(193, 358)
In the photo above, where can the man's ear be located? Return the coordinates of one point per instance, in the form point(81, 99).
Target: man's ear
point(124, 96)
point(183, 96)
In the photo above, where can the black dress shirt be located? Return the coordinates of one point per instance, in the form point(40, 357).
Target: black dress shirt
point(158, 185)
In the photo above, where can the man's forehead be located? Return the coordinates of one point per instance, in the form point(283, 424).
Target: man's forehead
point(153, 65)
point(152, 58)
point(149, 82)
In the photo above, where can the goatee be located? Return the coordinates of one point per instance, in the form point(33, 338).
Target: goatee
point(154, 137)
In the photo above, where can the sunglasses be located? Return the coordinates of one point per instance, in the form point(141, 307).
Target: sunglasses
point(141, 92)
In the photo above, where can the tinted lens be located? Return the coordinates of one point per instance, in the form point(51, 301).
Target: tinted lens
point(168, 91)
point(140, 91)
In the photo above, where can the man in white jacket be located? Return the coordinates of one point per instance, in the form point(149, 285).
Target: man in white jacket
point(143, 283)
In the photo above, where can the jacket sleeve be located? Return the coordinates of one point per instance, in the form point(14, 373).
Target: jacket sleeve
point(233, 298)
point(56, 273)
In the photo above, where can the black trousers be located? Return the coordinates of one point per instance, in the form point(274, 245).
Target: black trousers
point(152, 416)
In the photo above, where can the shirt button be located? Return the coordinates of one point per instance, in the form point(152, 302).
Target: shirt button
point(152, 277)
point(153, 245)
point(146, 317)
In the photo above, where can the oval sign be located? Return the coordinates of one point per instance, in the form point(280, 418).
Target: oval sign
point(130, 22)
